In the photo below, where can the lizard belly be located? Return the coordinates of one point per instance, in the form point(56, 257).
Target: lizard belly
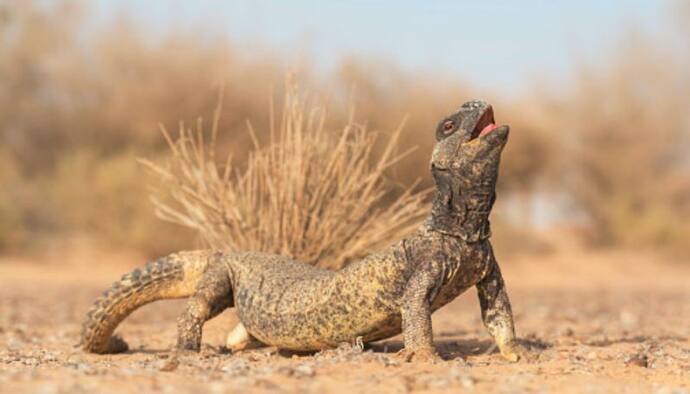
point(321, 309)
point(303, 334)
point(297, 323)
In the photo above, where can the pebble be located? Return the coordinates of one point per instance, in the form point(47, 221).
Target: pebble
point(390, 362)
point(640, 360)
point(303, 370)
point(467, 382)
point(236, 367)
point(437, 383)
point(170, 365)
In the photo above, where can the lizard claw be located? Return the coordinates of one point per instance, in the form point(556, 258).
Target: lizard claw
point(515, 352)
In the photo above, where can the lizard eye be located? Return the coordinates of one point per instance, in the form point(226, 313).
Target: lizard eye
point(448, 125)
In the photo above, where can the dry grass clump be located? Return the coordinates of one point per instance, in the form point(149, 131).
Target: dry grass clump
point(316, 194)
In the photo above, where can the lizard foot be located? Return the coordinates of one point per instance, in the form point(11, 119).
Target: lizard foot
point(188, 345)
point(515, 352)
point(177, 356)
point(421, 355)
point(116, 345)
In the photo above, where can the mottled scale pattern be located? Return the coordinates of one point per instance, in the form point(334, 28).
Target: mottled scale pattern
point(293, 305)
point(297, 306)
point(166, 278)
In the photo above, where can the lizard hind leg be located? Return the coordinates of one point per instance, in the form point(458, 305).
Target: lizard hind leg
point(173, 276)
point(212, 296)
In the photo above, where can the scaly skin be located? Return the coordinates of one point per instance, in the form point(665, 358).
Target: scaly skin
point(292, 305)
point(173, 276)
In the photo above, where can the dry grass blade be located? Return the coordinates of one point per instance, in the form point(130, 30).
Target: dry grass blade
point(312, 193)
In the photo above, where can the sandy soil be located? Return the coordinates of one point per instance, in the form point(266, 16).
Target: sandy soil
point(597, 321)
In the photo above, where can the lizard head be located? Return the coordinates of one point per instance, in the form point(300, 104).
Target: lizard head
point(465, 164)
point(469, 146)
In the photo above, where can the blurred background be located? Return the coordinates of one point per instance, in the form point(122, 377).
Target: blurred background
point(597, 95)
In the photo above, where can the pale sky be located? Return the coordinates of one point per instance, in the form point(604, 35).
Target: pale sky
point(496, 44)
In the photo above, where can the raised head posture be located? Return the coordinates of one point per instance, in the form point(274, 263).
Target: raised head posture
point(292, 305)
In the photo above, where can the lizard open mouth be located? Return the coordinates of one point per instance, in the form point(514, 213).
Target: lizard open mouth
point(485, 124)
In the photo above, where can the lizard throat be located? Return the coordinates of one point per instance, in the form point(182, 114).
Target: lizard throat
point(462, 215)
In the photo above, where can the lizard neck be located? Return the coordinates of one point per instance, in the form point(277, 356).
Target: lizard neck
point(463, 213)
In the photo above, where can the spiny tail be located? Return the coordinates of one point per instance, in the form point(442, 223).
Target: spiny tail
point(173, 276)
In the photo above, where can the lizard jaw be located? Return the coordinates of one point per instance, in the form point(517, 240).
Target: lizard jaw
point(485, 124)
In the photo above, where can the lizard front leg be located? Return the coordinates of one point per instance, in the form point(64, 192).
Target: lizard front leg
point(416, 313)
point(496, 312)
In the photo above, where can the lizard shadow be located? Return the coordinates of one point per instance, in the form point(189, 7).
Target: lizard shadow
point(450, 349)
point(447, 349)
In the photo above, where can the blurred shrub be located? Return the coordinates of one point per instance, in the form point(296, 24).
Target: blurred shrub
point(626, 144)
point(78, 106)
point(104, 196)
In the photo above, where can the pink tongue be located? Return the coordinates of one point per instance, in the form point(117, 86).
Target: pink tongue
point(487, 129)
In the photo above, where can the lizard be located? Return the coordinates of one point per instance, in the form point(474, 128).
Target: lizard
point(292, 305)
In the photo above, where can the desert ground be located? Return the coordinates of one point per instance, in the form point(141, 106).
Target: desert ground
point(596, 321)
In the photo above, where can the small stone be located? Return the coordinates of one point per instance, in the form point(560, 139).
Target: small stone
point(467, 382)
point(170, 365)
point(390, 362)
point(85, 368)
point(128, 371)
point(437, 383)
point(13, 344)
point(567, 332)
point(592, 356)
point(303, 370)
point(236, 367)
point(640, 359)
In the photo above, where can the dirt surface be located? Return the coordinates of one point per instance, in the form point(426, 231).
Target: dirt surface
point(597, 322)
